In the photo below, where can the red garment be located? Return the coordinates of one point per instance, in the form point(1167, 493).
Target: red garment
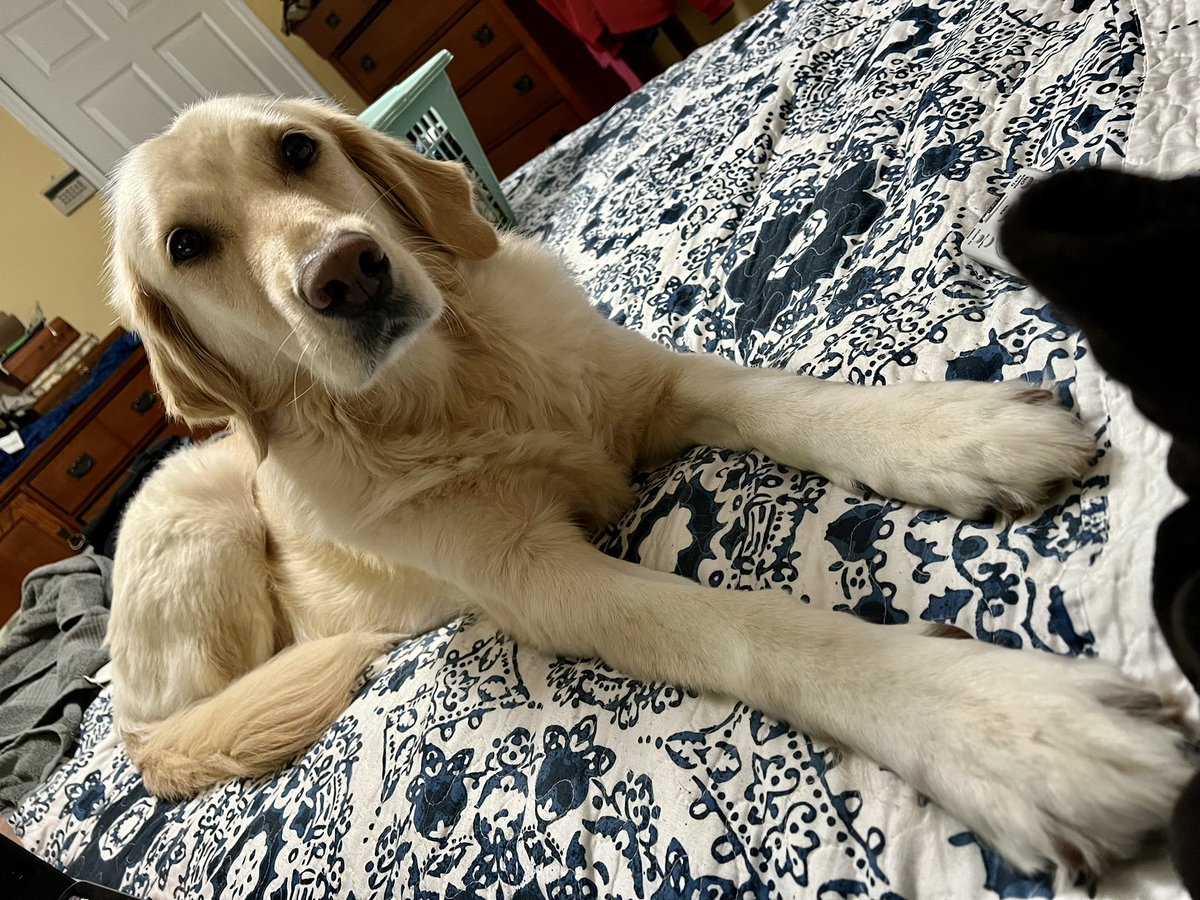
point(590, 19)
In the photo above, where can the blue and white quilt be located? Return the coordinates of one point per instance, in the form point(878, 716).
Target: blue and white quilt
point(793, 196)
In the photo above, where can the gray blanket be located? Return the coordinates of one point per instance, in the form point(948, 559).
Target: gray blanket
point(46, 662)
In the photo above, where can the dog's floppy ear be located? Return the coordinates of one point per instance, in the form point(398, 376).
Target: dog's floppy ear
point(195, 386)
point(436, 195)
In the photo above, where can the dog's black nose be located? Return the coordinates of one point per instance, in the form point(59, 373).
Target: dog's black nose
point(345, 276)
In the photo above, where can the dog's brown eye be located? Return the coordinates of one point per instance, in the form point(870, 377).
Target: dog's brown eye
point(299, 150)
point(185, 244)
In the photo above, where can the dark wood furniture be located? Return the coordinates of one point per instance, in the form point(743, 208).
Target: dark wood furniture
point(46, 502)
point(524, 81)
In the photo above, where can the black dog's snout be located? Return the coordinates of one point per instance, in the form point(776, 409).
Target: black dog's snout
point(346, 276)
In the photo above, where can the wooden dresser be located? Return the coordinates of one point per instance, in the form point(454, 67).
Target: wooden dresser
point(46, 502)
point(524, 81)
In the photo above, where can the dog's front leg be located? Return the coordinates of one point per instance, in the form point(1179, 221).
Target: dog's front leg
point(963, 446)
point(1047, 759)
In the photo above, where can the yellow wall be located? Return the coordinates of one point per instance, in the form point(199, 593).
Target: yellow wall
point(46, 257)
point(57, 260)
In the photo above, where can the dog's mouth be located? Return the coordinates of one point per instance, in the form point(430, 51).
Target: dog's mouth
point(397, 328)
point(386, 333)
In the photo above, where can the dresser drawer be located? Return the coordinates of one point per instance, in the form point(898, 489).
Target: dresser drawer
point(330, 23)
point(508, 98)
point(81, 467)
point(555, 123)
point(30, 536)
point(479, 40)
point(394, 38)
point(136, 410)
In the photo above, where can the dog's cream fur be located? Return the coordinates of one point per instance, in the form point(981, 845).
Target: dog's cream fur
point(370, 493)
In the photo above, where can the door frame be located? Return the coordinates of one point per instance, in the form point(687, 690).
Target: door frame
point(41, 127)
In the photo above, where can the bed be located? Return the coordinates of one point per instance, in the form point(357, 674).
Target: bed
point(793, 196)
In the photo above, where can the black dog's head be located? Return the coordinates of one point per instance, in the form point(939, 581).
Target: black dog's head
point(1119, 255)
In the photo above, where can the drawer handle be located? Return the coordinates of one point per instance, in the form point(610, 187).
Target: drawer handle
point(484, 35)
point(367, 64)
point(81, 466)
point(333, 20)
point(74, 539)
point(143, 403)
point(523, 85)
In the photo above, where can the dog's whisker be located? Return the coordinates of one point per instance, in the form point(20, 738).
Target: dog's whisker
point(296, 399)
point(431, 257)
point(296, 376)
point(442, 245)
point(424, 242)
point(280, 348)
point(384, 193)
point(361, 421)
point(453, 320)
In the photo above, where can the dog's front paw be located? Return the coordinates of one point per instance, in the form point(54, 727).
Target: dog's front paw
point(973, 448)
point(1055, 761)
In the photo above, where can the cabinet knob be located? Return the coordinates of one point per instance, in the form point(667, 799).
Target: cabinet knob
point(143, 403)
point(559, 135)
point(484, 35)
point(367, 64)
point(523, 85)
point(81, 466)
point(333, 20)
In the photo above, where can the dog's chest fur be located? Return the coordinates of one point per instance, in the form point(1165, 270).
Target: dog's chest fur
point(516, 383)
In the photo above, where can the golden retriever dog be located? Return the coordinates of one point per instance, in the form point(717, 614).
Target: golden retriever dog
point(430, 419)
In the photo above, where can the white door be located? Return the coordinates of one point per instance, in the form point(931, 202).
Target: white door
point(94, 77)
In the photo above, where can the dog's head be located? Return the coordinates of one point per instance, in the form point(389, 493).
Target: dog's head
point(1115, 253)
point(257, 242)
